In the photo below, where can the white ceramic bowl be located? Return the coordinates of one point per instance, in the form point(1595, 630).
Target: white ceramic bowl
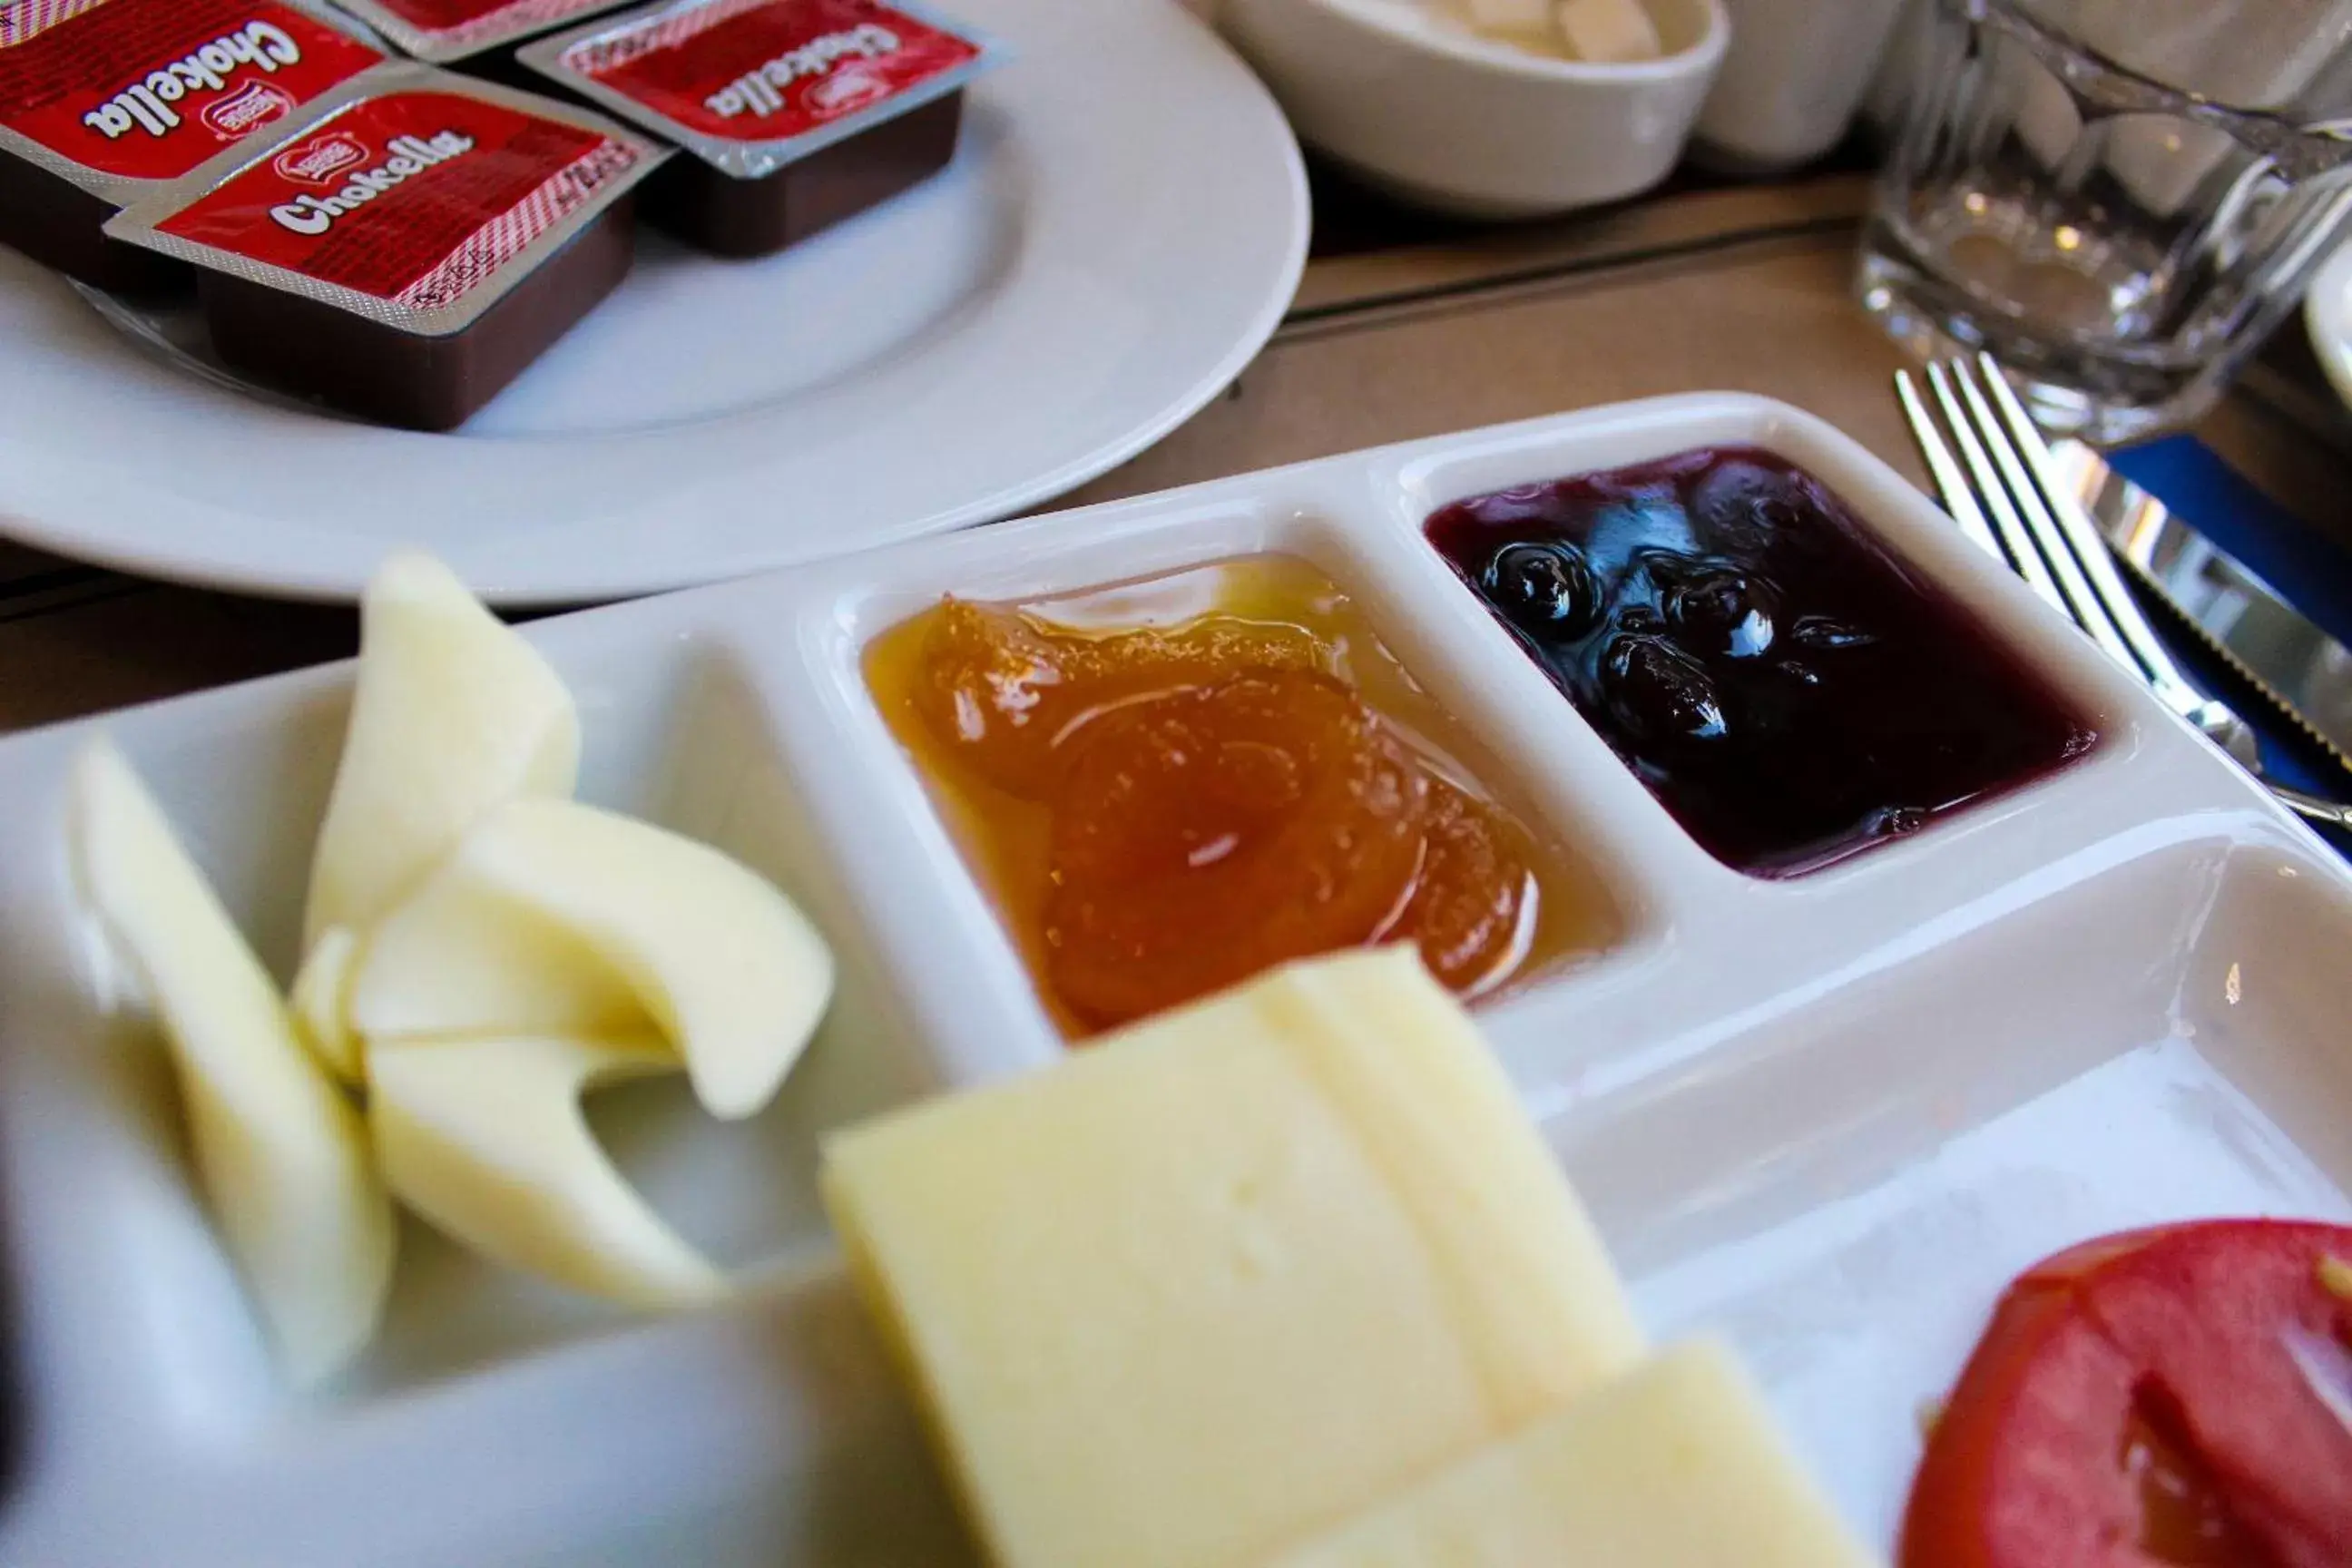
point(1795, 74)
point(1888, 96)
point(1431, 112)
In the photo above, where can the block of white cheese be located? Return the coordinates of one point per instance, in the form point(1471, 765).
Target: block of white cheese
point(1678, 1465)
point(1607, 32)
point(1230, 1276)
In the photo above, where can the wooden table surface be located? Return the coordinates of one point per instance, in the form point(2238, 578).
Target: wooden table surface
point(1402, 328)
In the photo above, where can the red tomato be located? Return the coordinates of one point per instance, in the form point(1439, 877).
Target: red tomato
point(2157, 1399)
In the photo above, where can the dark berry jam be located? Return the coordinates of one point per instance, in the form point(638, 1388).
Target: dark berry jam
point(1787, 688)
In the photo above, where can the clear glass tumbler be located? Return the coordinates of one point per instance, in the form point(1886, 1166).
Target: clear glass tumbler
point(2118, 198)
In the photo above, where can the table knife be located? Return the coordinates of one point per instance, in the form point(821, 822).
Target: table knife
point(2303, 673)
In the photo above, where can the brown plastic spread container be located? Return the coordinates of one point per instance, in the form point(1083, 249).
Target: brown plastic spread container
point(104, 101)
point(794, 114)
point(409, 246)
point(445, 31)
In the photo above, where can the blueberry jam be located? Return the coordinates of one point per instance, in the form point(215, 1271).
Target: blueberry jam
point(1786, 688)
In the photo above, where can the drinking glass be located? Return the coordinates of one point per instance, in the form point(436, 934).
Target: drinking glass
point(2118, 198)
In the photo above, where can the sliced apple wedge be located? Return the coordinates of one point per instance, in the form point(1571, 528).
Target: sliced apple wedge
point(282, 1156)
point(486, 1138)
point(552, 913)
point(453, 715)
point(321, 1003)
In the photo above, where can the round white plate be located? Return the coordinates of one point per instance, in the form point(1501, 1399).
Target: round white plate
point(1121, 230)
point(2327, 317)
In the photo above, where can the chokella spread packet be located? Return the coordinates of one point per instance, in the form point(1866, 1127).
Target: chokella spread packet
point(796, 114)
point(102, 101)
point(441, 31)
point(411, 244)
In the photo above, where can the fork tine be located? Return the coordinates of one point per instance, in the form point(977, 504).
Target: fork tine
point(1945, 468)
point(2013, 537)
point(2083, 538)
point(2031, 486)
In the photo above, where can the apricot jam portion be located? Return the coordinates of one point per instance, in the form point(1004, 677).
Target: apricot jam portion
point(1168, 786)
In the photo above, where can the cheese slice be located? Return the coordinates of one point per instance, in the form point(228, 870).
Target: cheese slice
point(556, 919)
point(282, 1157)
point(1607, 32)
point(452, 714)
point(487, 1139)
point(320, 1001)
point(1230, 1276)
point(1676, 1466)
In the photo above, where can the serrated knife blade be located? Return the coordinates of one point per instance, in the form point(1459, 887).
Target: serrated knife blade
point(2305, 673)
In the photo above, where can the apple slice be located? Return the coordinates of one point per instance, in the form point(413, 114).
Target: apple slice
point(282, 1156)
point(453, 715)
point(319, 1003)
point(486, 1138)
point(554, 918)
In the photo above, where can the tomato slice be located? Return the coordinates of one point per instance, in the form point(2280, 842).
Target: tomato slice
point(2084, 1256)
point(2151, 1400)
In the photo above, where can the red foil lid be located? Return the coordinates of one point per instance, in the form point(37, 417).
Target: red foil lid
point(751, 85)
point(111, 92)
point(416, 204)
point(444, 30)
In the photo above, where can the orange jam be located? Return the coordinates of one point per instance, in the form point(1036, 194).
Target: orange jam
point(1167, 786)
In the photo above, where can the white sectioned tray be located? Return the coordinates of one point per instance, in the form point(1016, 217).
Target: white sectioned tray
point(1830, 1117)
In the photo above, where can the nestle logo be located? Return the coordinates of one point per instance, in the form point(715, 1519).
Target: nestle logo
point(318, 161)
point(846, 90)
point(255, 103)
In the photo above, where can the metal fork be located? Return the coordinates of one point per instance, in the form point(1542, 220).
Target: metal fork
point(2003, 491)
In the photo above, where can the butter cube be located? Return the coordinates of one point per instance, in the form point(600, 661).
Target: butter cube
point(1231, 1276)
point(1508, 16)
point(1607, 32)
point(1676, 1466)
